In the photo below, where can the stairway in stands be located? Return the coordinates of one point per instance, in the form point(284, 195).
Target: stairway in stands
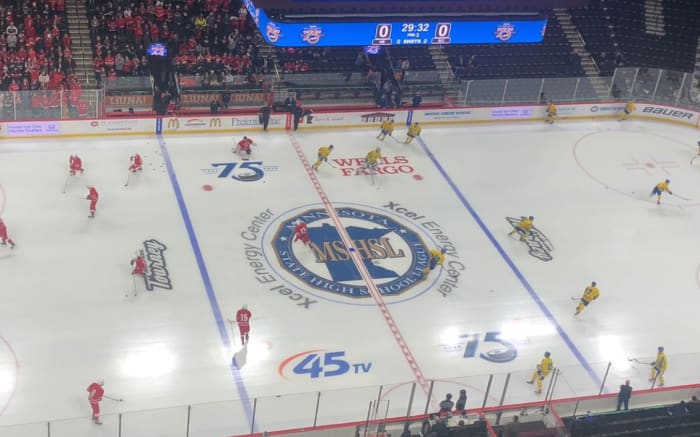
point(82, 46)
point(444, 70)
point(654, 17)
point(579, 47)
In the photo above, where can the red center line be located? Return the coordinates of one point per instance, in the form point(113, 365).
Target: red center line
point(359, 264)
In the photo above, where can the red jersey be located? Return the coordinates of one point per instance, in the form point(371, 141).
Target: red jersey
point(3, 230)
point(243, 317)
point(300, 229)
point(75, 162)
point(245, 144)
point(93, 195)
point(96, 392)
point(139, 266)
point(136, 160)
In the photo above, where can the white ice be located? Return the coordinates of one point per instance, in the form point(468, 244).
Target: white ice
point(65, 321)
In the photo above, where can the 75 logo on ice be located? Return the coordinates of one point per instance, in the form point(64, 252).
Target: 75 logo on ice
point(318, 363)
point(246, 171)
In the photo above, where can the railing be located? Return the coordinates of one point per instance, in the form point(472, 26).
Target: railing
point(373, 405)
point(125, 94)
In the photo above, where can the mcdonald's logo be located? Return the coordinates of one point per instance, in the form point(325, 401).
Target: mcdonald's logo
point(173, 123)
point(215, 122)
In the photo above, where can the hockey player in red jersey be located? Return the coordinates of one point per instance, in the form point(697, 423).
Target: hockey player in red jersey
point(243, 147)
point(92, 197)
point(75, 164)
point(243, 317)
point(301, 232)
point(4, 239)
point(96, 392)
point(139, 265)
point(136, 163)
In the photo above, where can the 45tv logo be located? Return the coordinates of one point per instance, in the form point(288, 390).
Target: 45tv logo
point(318, 363)
point(246, 171)
point(494, 348)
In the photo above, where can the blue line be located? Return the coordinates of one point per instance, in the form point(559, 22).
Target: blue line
point(531, 291)
point(211, 295)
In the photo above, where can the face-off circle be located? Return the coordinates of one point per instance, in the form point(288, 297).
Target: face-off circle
point(631, 163)
point(393, 254)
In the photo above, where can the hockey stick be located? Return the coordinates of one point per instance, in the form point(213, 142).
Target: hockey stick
point(636, 360)
point(113, 399)
point(680, 197)
point(65, 185)
point(233, 332)
point(331, 164)
point(693, 159)
point(128, 176)
point(575, 298)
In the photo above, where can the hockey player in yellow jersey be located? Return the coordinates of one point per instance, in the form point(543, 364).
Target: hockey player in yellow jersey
point(661, 187)
point(436, 259)
point(551, 113)
point(590, 294)
point(523, 227)
point(373, 158)
point(386, 129)
point(543, 369)
point(659, 367)
point(413, 131)
point(323, 153)
point(629, 108)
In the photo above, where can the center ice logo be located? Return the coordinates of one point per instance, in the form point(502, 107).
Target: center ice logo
point(394, 255)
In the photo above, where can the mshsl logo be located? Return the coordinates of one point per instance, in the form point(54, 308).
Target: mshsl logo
point(393, 255)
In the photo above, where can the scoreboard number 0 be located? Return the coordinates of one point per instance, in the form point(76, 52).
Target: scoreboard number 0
point(442, 30)
point(382, 34)
point(442, 33)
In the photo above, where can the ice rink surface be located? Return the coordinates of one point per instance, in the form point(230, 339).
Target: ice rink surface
point(326, 318)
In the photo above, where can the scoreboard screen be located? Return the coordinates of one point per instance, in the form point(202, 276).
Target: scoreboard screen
point(384, 33)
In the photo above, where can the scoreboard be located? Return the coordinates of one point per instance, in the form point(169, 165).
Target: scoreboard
point(523, 29)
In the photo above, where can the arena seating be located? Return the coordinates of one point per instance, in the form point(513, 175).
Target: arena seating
point(36, 57)
point(615, 34)
point(671, 420)
point(209, 39)
point(552, 58)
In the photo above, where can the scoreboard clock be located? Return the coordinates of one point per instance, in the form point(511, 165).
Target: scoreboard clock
point(491, 30)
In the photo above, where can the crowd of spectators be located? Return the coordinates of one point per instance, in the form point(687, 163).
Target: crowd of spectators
point(35, 55)
point(211, 40)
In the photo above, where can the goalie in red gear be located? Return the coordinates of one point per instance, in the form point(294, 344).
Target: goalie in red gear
point(139, 265)
point(136, 163)
point(92, 196)
point(75, 164)
point(4, 239)
point(301, 232)
point(243, 147)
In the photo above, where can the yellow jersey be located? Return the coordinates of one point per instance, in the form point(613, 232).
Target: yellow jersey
point(661, 361)
point(630, 107)
point(324, 151)
point(546, 366)
point(591, 293)
point(663, 186)
point(414, 130)
point(373, 157)
point(525, 224)
point(437, 257)
point(551, 109)
point(388, 126)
